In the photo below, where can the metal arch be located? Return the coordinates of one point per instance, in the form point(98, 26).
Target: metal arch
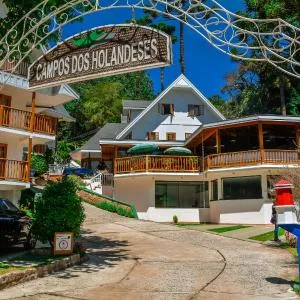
point(218, 26)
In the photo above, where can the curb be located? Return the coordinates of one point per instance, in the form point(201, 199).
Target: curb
point(17, 277)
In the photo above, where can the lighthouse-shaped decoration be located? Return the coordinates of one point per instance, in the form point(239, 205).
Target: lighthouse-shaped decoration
point(285, 204)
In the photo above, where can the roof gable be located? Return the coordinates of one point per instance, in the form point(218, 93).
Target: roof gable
point(180, 82)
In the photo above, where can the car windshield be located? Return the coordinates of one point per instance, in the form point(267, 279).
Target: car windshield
point(7, 205)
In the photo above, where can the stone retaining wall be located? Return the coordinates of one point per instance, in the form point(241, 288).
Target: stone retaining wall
point(14, 278)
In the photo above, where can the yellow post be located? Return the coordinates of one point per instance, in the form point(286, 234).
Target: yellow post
point(32, 120)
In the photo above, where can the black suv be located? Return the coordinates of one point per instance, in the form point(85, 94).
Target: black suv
point(15, 226)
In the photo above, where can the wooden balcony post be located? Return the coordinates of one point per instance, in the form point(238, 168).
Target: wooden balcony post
point(218, 141)
point(147, 163)
point(29, 151)
point(32, 120)
point(261, 142)
point(1, 114)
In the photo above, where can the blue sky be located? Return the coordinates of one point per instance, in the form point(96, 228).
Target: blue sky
point(205, 65)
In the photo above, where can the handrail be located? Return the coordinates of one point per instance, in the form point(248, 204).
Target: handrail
point(14, 169)
point(21, 119)
point(160, 163)
point(157, 163)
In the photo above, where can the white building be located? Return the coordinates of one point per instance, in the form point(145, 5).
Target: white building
point(229, 176)
point(28, 120)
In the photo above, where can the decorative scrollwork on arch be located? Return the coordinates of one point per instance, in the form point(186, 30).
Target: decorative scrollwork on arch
point(271, 40)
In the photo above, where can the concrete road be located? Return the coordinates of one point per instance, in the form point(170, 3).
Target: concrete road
point(132, 259)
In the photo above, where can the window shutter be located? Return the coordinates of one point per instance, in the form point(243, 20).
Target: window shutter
point(156, 136)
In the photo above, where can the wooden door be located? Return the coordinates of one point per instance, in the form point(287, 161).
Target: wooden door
point(5, 104)
point(3, 156)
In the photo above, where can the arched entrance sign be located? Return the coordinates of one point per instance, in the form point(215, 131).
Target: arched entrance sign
point(102, 51)
point(272, 40)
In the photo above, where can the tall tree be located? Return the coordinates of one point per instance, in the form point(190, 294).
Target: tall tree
point(149, 19)
point(260, 87)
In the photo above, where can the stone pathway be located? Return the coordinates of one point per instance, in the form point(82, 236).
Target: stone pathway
point(131, 259)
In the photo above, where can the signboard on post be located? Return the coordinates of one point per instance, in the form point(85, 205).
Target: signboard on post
point(63, 243)
point(102, 51)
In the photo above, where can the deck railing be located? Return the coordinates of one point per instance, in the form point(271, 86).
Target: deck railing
point(157, 163)
point(14, 170)
point(22, 119)
point(178, 164)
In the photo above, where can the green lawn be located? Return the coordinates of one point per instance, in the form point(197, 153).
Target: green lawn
point(229, 228)
point(268, 236)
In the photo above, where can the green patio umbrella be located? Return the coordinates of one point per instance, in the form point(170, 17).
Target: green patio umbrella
point(178, 151)
point(142, 149)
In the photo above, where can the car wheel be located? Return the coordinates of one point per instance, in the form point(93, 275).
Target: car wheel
point(30, 243)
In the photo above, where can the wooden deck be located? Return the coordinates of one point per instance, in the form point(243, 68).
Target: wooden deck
point(22, 119)
point(194, 164)
point(14, 170)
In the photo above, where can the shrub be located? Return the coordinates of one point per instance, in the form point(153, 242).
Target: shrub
point(39, 164)
point(114, 208)
point(27, 199)
point(175, 219)
point(57, 209)
point(77, 180)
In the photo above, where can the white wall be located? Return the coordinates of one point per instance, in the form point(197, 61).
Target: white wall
point(13, 196)
point(188, 215)
point(140, 191)
point(180, 123)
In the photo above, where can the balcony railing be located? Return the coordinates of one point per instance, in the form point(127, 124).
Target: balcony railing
point(192, 164)
point(14, 170)
point(156, 163)
point(21, 69)
point(21, 119)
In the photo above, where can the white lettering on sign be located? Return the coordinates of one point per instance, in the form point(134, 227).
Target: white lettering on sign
point(115, 56)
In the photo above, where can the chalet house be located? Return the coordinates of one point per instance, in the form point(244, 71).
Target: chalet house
point(228, 178)
point(28, 120)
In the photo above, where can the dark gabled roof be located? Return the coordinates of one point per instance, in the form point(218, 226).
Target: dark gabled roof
point(108, 131)
point(59, 112)
point(135, 104)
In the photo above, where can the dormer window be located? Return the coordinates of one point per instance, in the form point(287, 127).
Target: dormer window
point(195, 110)
point(152, 136)
point(166, 109)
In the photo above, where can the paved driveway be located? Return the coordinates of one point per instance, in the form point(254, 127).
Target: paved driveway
point(131, 259)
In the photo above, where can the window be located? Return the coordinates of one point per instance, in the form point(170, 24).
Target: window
point(152, 136)
point(195, 110)
point(214, 190)
point(5, 100)
point(181, 194)
point(171, 136)
point(187, 135)
point(242, 188)
point(3, 150)
point(167, 109)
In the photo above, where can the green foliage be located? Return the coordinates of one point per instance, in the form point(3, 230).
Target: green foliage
point(57, 209)
point(175, 219)
point(39, 164)
point(49, 156)
point(27, 199)
point(77, 180)
point(101, 102)
point(259, 87)
point(62, 155)
point(114, 208)
point(229, 228)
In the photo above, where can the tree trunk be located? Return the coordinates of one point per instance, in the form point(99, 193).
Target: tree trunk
point(181, 59)
point(162, 79)
point(282, 98)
